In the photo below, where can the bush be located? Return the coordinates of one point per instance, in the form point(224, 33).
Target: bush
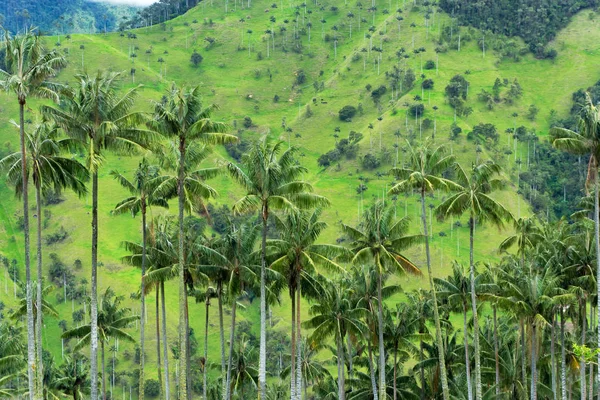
point(370, 161)
point(429, 64)
point(347, 112)
point(247, 122)
point(151, 387)
point(196, 58)
point(417, 110)
point(57, 236)
point(377, 93)
point(427, 84)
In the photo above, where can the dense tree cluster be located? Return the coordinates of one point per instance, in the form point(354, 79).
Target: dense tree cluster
point(536, 21)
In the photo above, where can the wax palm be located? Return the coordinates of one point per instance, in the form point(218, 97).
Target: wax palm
point(28, 68)
point(271, 178)
point(183, 118)
point(527, 235)
point(296, 257)
point(50, 170)
point(424, 172)
point(420, 301)
point(141, 197)
point(583, 142)
point(380, 240)
point(46, 307)
point(74, 376)
point(244, 373)
point(93, 114)
point(12, 361)
point(112, 322)
point(472, 196)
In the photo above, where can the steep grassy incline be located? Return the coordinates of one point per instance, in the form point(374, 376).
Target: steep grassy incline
point(245, 68)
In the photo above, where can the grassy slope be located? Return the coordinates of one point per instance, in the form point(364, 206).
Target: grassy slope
point(227, 76)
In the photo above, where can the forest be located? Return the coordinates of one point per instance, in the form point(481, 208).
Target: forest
point(250, 280)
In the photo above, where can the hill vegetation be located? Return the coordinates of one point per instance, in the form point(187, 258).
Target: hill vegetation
point(354, 92)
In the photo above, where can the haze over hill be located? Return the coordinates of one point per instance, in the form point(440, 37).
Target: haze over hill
point(353, 87)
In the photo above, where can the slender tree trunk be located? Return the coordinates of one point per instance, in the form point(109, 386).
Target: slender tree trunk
point(467, 358)
point(230, 361)
point(165, 341)
point(94, 292)
point(221, 330)
point(478, 387)
point(563, 361)
point(182, 387)
point(298, 341)
point(395, 369)
point(158, 362)
point(188, 362)
point(262, 362)
point(597, 242)
point(293, 346)
point(103, 371)
point(553, 355)
point(496, 350)
point(436, 314)
point(523, 357)
point(534, 363)
point(38, 301)
point(31, 366)
point(382, 384)
point(204, 374)
point(143, 305)
point(582, 363)
point(421, 368)
point(372, 372)
point(340, 363)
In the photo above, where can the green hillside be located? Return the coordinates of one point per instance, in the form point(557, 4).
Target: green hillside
point(290, 69)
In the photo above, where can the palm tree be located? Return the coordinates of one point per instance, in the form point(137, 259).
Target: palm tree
point(74, 378)
point(11, 358)
point(424, 173)
point(50, 170)
point(183, 118)
point(93, 114)
point(334, 315)
point(472, 196)
point(28, 68)
point(141, 197)
point(270, 177)
point(296, 257)
point(112, 322)
point(586, 141)
point(379, 240)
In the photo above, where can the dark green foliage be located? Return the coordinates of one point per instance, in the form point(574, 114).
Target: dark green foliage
point(58, 271)
point(247, 122)
point(537, 22)
point(429, 64)
point(370, 161)
point(486, 132)
point(196, 58)
point(427, 84)
point(347, 112)
point(151, 388)
point(377, 93)
point(416, 110)
point(56, 237)
point(236, 150)
point(300, 78)
point(457, 88)
point(347, 148)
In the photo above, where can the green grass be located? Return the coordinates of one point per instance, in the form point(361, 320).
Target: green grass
point(227, 77)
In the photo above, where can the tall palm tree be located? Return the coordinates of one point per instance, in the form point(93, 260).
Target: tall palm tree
point(380, 240)
point(183, 118)
point(424, 172)
point(28, 68)
point(586, 141)
point(270, 176)
point(112, 322)
point(94, 114)
point(472, 196)
point(73, 376)
point(141, 197)
point(296, 256)
point(50, 170)
point(335, 316)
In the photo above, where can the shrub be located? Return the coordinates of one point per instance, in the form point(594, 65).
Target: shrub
point(377, 93)
point(151, 387)
point(427, 84)
point(370, 161)
point(196, 58)
point(247, 122)
point(429, 64)
point(347, 112)
point(57, 236)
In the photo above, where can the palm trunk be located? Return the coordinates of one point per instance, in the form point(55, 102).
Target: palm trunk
point(563, 361)
point(165, 344)
point(182, 388)
point(496, 351)
point(340, 365)
point(553, 356)
point(372, 373)
point(94, 292)
point(262, 362)
point(230, 361)
point(582, 363)
point(298, 342)
point(436, 314)
point(160, 378)
point(467, 358)
point(293, 345)
point(103, 371)
point(478, 387)
point(188, 362)
point(395, 369)
point(38, 300)
point(421, 368)
point(31, 367)
point(382, 384)
point(533, 364)
point(204, 374)
point(143, 305)
point(597, 242)
point(221, 329)
point(523, 357)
